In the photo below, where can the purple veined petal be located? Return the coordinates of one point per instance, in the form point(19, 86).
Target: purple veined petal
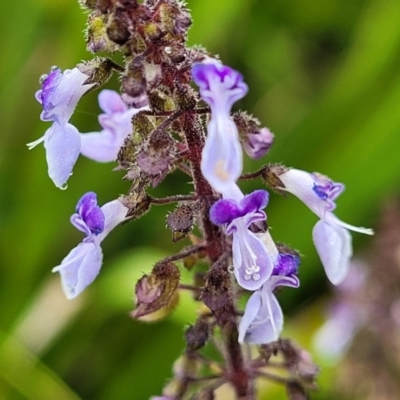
point(251, 262)
point(267, 324)
point(110, 102)
point(90, 213)
point(114, 213)
point(86, 203)
point(333, 244)
point(286, 265)
point(60, 99)
point(254, 201)
point(224, 211)
point(222, 160)
point(49, 84)
point(101, 146)
point(79, 269)
point(62, 144)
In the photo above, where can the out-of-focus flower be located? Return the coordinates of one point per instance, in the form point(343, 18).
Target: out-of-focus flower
point(83, 263)
point(346, 316)
point(59, 96)
point(116, 122)
point(220, 86)
point(262, 321)
point(251, 260)
point(331, 237)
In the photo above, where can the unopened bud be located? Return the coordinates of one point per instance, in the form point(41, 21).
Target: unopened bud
point(197, 335)
point(180, 221)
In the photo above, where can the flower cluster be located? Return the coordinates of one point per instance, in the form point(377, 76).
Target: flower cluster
point(156, 125)
point(257, 263)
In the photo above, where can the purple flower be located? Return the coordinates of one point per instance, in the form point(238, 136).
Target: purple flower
point(331, 237)
point(258, 144)
point(59, 96)
point(83, 263)
point(116, 122)
point(252, 262)
point(220, 86)
point(262, 321)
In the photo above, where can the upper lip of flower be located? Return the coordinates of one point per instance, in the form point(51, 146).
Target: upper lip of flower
point(220, 86)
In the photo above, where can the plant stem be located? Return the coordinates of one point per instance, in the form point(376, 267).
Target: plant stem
point(220, 288)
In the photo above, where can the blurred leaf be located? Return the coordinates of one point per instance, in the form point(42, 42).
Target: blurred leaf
point(27, 375)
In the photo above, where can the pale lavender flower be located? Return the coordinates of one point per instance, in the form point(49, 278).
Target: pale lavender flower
point(220, 86)
point(346, 316)
point(116, 122)
point(258, 144)
point(83, 263)
point(252, 263)
point(59, 96)
point(331, 237)
point(262, 321)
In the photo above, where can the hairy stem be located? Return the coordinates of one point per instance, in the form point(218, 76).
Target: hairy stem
point(218, 286)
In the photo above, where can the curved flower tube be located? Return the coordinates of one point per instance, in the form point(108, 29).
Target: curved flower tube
point(331, 237)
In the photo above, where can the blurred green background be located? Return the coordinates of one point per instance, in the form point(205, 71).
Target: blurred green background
point(323, 76)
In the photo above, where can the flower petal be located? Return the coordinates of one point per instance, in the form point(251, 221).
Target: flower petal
point(224, 211)
point(100, 146)
point(62, 144)
point(252, 309)
point(80, 268)
point(268, 323)
point(110, 102)
point(301, 184)
point(114, 213)
point(60, 94)
point(222, 159)
point(254, 201)
point(333, 244)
